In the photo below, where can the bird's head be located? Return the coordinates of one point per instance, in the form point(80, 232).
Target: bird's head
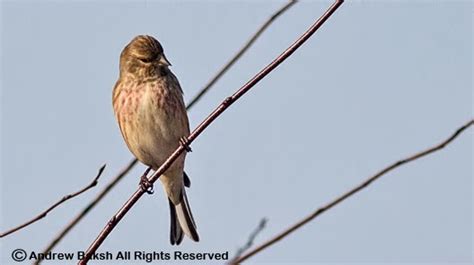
point(143, 57)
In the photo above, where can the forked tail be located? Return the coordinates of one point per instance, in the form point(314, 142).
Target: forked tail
point(182, 221)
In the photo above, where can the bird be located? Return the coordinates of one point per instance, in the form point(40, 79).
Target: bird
point(149, 108)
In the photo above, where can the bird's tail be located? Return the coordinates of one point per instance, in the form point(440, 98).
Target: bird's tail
point(182, 221)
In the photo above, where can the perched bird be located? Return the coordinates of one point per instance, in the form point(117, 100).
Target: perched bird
point(149, 107)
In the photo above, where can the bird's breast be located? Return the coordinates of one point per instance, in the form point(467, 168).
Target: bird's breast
point(152, 119)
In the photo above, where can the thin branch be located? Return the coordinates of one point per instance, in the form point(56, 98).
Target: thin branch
point(88, 208)
point(61, 201)
point(201, 93)
point(240, 52)
point(354, 191)
point(250, 240)
point(216, 113)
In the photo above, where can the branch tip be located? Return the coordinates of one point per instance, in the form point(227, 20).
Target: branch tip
point(61, 201)
point(351, 192)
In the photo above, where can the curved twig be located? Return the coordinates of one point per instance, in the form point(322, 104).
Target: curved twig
point(61, 201)
point(216, 113)
point(239, 54)
point(87, 209)
point(353, 191)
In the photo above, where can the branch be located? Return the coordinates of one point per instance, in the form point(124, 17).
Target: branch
point(250, 240)
point(216, 113)
point(61, 201)
point(88, 208)
point(240, 52)
point(354, 191)
point(202, 92)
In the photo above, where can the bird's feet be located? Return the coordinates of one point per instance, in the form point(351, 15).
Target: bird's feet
point(145, 184)
point(185, 143)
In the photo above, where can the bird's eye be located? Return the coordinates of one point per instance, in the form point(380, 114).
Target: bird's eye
point(145, 60)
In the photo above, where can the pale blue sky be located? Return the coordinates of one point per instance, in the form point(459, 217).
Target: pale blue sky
point(379, 81)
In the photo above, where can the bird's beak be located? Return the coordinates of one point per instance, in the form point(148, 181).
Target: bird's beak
point(164, 61)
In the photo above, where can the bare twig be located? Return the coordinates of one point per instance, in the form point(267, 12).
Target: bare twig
point(240, 52)
point(203, 91)
point(250, 240)
point(216, 113)
point(354, 191)
point(88, 208)
point(61, 201)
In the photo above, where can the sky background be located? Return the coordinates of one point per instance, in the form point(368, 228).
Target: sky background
point(379, 81)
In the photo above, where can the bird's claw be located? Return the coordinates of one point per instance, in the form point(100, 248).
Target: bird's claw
point(145, 184)
point(185, 143)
